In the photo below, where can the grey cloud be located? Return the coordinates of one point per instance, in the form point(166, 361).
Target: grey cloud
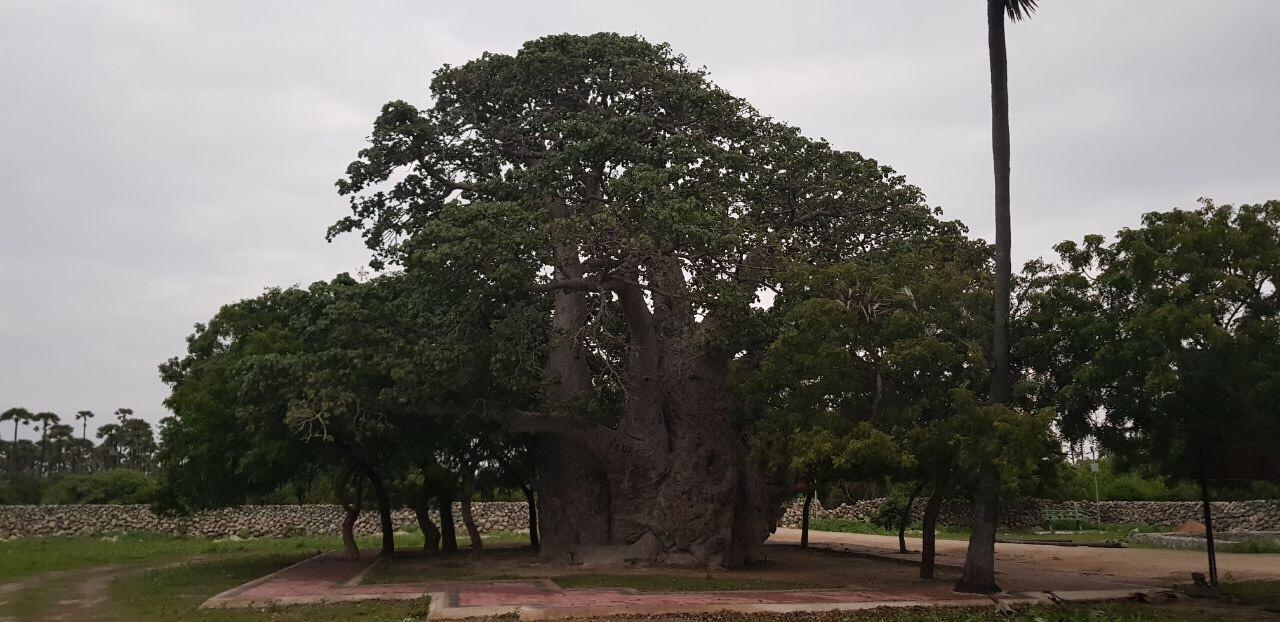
point(159, 159)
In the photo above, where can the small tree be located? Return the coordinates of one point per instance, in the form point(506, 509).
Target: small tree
point(1165, 343)
point(865, 360)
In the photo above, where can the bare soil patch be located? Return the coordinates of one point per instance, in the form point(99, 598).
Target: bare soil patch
point(785, 566)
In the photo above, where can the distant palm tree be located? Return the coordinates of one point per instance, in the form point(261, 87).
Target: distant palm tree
point(84, 416)
point(980, 559)
point(123, 414)
point(45, 419)
point(17, 416)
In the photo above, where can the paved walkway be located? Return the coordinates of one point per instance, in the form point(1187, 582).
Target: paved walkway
point(326, 579)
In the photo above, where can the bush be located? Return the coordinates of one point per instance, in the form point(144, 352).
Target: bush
point(20, 490)
point(118, 486)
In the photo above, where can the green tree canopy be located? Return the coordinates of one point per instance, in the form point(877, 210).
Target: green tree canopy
point(1164, 343)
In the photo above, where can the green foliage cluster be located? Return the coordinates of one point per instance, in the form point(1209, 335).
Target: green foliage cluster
point(1144, 483)
point(117, 486)
point(1164, 344)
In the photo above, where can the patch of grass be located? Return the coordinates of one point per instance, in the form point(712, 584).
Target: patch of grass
point(674, 583)
point(1263, 547)
point(504, 538)
point(845, 525)
point(30, 556)
point(175, 593)
point(34, 602)
point(1117, 612)
point(1254, 593)
point(1103, 533)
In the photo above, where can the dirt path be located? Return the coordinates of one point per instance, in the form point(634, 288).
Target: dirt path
point(77, 595)
point(1129, 565)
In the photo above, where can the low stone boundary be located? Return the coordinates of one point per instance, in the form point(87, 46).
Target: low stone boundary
point(287, 520)
point(244, 521)
point(1227, 515)
point(1223, 541)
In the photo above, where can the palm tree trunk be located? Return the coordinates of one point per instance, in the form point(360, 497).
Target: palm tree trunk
point(980, 558)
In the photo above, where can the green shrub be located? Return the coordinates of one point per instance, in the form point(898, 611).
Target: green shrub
point(118, 486)
point(20, 490)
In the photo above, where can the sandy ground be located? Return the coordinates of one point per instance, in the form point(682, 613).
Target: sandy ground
point(1127, 565)
point(786, 566)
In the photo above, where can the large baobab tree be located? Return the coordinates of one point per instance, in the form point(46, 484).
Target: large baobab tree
point(980, 559)
point(649, 207)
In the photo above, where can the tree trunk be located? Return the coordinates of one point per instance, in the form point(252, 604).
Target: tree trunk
point(468, 488)
point(532, 502)
point(422, 511)
point(1208, 525)
point(384, 514)
point(667, 487)
point(350, 549)
point(804, 518)
point(980, 559)
point(906, 518)
point(444, 501)
point(670, 482)
point(929, 530)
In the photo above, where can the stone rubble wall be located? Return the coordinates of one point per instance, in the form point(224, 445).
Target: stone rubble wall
point(1227, 515)
point(244, 521)
point(287, 520)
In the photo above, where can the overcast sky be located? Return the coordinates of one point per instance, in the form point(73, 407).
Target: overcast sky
point(159, 159)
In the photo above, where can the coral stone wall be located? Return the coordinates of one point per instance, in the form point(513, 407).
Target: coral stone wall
point(243, 521)
point(1227, 515)
point(286, 520)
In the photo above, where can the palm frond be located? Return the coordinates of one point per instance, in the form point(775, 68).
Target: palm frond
point(1020, 9)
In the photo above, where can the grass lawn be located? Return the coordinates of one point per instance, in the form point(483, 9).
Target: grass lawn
point(1098, 533)
point(174, 593)
point(25, 557)
point(165, 578)
point(1076, 613)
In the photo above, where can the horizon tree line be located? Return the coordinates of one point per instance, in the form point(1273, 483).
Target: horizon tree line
point(128, 442)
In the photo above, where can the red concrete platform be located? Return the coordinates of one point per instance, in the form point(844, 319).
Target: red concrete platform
point(327, 579)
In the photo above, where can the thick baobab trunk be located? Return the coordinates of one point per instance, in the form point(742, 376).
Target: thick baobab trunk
point(905, 519)
point(671, 485)
point(804, 518)
point(531, 501)
point(929, 530)
point(468, 488)
point(384, 515)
